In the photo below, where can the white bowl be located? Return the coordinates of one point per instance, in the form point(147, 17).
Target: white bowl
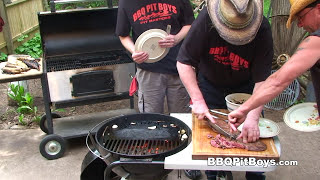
point(235, 100)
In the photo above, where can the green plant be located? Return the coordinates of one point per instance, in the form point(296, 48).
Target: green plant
point(299, 101)
point(3, 56)
point(22, 37)
point(193, 5)
point(31, 47)
point(59, 110)
point(36, 118)
point(24, 102)
point(17, 93)
point(21, 121)
point(93, 4)
point(266, 6)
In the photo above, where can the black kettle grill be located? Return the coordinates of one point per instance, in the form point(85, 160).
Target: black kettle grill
point(135, 146)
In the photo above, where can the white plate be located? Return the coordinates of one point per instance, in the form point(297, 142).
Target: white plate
point(303, 117)
point(149, 42)
point(267, 128)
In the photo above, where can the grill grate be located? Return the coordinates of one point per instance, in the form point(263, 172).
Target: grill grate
point(140, 147)
point(63, 63)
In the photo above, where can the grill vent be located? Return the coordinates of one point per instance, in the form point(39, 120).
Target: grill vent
point(63, 63)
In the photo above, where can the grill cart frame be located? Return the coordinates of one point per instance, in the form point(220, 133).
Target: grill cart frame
point(53, 145)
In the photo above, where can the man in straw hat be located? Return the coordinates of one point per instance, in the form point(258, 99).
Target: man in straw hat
point(228, 49)
point(307, 56)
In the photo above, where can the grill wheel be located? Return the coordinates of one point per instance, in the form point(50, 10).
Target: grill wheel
point(52, 146)
point(43, 122)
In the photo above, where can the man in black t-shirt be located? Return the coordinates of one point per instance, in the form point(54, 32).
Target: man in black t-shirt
point(228, 49)
point(158, 80)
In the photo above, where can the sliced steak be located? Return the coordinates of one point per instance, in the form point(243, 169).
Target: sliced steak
point(222, 142)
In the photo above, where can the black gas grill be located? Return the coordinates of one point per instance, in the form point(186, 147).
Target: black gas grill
point(81, 45)
point(84, 63)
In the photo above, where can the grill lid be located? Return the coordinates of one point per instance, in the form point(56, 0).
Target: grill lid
point(79, 31)
point(144, 135)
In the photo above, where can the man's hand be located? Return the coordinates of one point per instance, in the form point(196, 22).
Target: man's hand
point(168, 42)
point(250, 131)
point(236, 118)
point(140, 57)
point(201, 110)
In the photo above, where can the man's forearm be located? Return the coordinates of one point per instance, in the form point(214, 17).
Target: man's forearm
point(254, 114)
point(127, 43)
point(189, 80)
point(182, 33)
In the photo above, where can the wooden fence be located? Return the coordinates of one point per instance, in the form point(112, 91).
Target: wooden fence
point(20, 17)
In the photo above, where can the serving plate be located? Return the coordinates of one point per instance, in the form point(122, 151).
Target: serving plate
point(149, 42)
point(267, 127)
point(303, 117)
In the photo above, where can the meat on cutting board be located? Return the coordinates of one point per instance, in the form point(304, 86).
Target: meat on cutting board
point(221, 142)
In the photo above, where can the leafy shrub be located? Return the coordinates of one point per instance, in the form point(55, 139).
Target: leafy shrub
point(3, 56)
point(24, 102)
point(31, 47)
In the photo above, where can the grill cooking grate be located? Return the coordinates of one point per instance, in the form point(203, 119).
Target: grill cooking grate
point(142, 135)
point(140, 147)
point(63, 63)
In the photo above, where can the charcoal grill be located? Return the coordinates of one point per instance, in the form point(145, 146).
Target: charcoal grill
point(135, 146)
point(84, 63)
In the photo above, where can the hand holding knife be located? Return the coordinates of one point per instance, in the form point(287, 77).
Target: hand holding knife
point(216, 127)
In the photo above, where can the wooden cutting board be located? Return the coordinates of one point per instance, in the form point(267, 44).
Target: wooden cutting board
point(202, 148)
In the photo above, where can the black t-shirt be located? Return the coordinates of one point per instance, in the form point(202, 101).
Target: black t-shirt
point(142, 15)
point(225, 64)
point(315, 73)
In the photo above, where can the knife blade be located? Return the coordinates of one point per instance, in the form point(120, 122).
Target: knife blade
point(218, 112)
point(222, 131)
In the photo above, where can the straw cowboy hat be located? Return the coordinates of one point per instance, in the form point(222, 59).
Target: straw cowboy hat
point(296, 7)
point(237, 21)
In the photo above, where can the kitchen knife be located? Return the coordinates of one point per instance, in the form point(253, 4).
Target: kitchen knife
point(222, 131)
point(218, 112)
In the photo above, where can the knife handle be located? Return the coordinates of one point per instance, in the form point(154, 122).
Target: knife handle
point(168, 29)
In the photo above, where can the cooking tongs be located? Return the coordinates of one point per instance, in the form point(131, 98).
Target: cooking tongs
point(218, 128)
point(218, 112)
point(222, 131)
point(214, 111)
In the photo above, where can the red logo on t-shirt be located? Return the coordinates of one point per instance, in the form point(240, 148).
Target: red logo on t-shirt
point(224, 56)
point(154, 12)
